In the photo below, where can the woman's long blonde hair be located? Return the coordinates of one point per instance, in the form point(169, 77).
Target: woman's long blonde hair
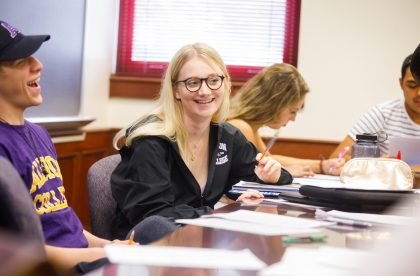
point(170, 109)
point(262, 98)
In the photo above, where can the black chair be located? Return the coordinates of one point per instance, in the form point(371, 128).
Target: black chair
point(17, 212)
point(102, 205)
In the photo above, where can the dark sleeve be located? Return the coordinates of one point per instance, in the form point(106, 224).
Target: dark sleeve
point(243, 166)
point(243, 160)
point(285, 177)
point(141, 183)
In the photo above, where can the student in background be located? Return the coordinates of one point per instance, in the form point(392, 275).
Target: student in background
point(272, 98)
point(180, 160)
point(396, 118)
point(415, 65)
point(30, 149)
point(415, 70)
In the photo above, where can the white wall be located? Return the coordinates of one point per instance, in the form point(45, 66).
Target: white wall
point(350, 53)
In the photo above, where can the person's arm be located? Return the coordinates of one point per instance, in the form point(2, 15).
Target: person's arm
point(66, 258)
point(347, 142)
point(296, 166)
point(95, 241)
point(247, 166)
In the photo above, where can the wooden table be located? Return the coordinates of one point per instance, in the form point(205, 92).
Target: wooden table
point(269, 249)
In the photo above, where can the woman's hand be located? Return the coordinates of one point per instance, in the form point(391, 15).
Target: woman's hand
point(333, 166)
point(250, 194)
point(126, 242)
point(268, 169)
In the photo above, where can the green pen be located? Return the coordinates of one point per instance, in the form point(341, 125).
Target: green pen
point(304, 239)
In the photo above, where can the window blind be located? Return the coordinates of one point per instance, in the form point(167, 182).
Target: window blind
point(248, 35)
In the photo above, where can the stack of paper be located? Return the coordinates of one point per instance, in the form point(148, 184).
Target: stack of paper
point(328, 181)
point(364, 218)
point(257, 223)
point(243, 185)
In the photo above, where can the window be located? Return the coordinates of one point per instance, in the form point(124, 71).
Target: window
point(61, 56)
point(248, 35)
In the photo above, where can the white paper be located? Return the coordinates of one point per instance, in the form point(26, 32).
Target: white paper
point(325, 261)
point(283, 201)
point(183, 257)
point(372, 218)
point(269, 219)
point(409, 148)
point(257, 223)
point(246, 227)
point(319, 180)
point(328, 181)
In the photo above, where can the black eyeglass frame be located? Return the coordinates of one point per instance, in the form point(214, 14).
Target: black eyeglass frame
point(201, 82)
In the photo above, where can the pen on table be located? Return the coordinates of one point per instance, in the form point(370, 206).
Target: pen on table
point(349, 222)
point(399, 155)
point(270, 143)
point(305, 239)
point(131, 239)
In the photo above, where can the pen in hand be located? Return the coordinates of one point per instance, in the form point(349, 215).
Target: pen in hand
point(131, 239)
point(340, 156)
point(270, 143)
point(343, 152)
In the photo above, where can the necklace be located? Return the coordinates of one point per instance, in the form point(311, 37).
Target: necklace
point(194, 152)
point(31, 145)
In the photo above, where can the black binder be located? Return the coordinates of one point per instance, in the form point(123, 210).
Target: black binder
point(351, 200)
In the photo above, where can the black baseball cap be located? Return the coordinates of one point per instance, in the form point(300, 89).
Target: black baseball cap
point(15, 45)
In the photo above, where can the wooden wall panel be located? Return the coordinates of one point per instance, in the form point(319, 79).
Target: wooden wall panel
point(75, 159)
point(301, 148)
point(69, 164)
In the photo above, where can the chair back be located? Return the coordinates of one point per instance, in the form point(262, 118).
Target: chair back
point(102, 205)
point(17, 212)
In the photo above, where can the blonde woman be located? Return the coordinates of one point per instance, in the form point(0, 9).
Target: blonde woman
point(272, 98)
point(179, 161)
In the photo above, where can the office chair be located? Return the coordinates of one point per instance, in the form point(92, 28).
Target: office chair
point(17, 212)
point(102, 205)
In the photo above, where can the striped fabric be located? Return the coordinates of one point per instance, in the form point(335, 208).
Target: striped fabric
point(390, 117)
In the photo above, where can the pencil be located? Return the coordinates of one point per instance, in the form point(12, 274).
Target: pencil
point(270, 143)
point(131, 239)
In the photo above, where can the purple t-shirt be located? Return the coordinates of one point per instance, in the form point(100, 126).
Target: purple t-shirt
point(21, 145)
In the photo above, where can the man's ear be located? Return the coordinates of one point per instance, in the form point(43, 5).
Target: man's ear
point(401, 82)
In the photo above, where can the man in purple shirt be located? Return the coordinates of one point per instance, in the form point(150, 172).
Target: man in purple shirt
point(30, 149)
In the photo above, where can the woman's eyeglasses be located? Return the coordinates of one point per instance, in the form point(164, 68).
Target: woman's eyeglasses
point(193, 84)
